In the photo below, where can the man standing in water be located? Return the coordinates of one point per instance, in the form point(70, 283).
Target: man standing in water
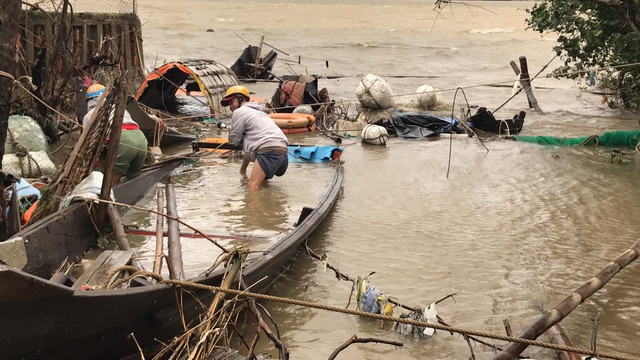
point(261, 139)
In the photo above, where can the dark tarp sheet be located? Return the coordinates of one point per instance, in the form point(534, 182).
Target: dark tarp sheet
point(416, 125)
point(245, 66)
point(485, 121)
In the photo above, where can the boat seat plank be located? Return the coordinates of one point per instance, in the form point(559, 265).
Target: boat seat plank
point(104, 264)
point(13, 252)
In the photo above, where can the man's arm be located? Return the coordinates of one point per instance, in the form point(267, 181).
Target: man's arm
point(237, 130)
point(245, 164)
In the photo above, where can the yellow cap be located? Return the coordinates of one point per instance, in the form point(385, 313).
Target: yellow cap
point(230, 95)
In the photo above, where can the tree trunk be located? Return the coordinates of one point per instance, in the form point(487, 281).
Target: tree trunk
point(9, 13)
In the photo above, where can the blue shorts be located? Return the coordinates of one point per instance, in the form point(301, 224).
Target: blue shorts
point(272, 163)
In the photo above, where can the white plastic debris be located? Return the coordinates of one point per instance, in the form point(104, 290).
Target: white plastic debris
point(431, 316)
point(88, 188)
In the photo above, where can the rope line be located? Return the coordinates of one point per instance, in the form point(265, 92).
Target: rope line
point(409, 321)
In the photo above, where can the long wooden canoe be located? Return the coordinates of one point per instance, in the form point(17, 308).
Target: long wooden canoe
point(41, 319)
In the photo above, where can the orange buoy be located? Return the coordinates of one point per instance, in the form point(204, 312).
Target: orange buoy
point(298, 130)
point(294, 123)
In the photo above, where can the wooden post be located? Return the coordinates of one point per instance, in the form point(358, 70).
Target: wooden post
point(8, 35)
point(525, 83)
point(524, 76)
point(112, 154)
point(173, 227)
point(257, 61)
point(157, 263)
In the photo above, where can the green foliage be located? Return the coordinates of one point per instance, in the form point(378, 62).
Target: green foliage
point(594, 36)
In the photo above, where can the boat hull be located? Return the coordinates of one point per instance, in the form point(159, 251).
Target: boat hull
point(56, 322)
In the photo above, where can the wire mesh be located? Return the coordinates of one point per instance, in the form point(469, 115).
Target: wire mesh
point(84, 6)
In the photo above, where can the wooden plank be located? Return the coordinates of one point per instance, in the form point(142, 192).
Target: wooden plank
point(126, 42)
point(98, 49)
point(139, 49)
point(49, 43)
point(114, 46)
point(13, 253)
point(86, 55)
point(13, 217)
point(104, 264)
point(515, 67)
point(30, 44)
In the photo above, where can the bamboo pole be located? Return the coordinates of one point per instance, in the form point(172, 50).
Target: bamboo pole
point(203, 348)
point(112, 154)
point(213, 241)
point(174, 260)
point(157, 263)
point(566, 306)
point(118, 229)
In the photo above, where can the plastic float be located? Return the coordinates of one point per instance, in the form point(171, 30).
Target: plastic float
point(292, 123)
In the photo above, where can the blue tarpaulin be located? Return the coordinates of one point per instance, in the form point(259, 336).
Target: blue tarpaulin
point(318, 153)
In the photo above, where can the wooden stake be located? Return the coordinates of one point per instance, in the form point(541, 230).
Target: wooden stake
point(525, 82)
point(174, 260)
point(524, 76)
point(157, 263)
point(557, 336)
point(257, 61)
point(594, 334)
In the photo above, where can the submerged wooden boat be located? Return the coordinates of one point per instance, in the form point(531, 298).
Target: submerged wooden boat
point(41, 319)
point(156, 131)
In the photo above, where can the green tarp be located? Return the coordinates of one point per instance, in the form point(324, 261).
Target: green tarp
point(616, 138)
